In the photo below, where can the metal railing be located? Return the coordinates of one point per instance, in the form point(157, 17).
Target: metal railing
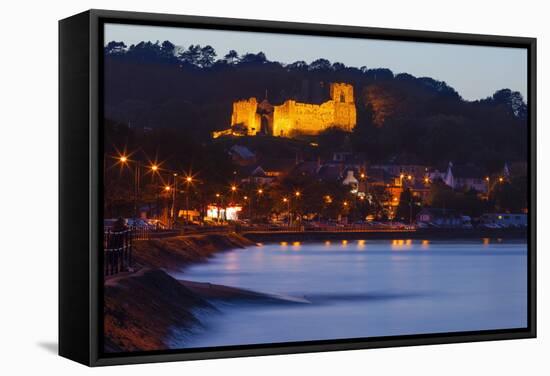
point(117, 251)
point(324, 228)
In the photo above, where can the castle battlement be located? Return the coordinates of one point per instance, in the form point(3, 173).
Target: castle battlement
point(251, 118)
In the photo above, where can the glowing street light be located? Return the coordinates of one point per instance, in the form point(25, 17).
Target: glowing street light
point(501, 179)
point(123, 159)
point(297, 193)
point(189, 181)
point(167, 188)
point(154, 168)
point(233, 188)
point(287, 201)
point(260, 191)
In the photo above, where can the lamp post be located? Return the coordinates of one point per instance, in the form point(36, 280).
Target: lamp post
point(233, 190)
point(167, 189)
point(346, 211)
point(258, 197)
point(218, 206)
point(287, 201)
point(154, 170)
point(298, 194)
point(173, 208)
point(125, 161)
point(188, 181)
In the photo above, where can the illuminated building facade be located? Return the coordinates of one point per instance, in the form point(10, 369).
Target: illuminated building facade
point(250, 118)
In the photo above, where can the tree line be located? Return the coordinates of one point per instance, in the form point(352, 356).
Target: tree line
point(401, 118)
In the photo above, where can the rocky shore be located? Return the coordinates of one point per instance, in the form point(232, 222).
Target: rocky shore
point(176, 252)
point(141, 307)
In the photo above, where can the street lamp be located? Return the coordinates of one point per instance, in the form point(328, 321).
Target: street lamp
point(154, 171)
point(125, 161)
point(188, 181)
point(173, 208)
point(298, 211)
point(218, 206)
point(287, 201)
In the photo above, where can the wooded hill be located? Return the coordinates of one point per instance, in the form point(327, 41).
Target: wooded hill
point(188, 93)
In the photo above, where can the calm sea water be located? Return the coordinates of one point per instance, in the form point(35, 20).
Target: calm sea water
point(361, 288)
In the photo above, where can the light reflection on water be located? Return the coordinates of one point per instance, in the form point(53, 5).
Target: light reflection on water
point(364, 288)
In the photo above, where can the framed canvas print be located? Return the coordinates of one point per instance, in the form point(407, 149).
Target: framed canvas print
point(240, 187)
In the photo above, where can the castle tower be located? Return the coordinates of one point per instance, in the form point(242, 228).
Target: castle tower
point(245, 113)
point(341, 92)
point(345, 114)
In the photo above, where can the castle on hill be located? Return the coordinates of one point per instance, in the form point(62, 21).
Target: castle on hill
point(251, 118)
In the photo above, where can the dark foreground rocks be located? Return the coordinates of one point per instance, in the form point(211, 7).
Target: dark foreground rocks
point(140, 308)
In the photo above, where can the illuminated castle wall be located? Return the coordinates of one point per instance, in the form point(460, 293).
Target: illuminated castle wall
point(245, 113)
point(250, 117)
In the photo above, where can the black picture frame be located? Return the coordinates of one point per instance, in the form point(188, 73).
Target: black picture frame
point(80, 148)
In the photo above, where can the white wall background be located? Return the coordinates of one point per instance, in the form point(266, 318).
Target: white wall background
point(28, 176)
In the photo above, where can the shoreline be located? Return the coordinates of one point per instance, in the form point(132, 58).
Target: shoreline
point(140, 307)
point(175, 253)
point(429, 234)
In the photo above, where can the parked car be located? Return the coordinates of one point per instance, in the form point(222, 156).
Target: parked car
point(139, 222)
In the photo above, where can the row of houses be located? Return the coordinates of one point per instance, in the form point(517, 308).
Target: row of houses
point(363, 178)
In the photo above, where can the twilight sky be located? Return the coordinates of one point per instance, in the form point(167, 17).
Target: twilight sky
point(474, 71)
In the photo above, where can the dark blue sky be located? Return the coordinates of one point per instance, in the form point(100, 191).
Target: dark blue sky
point(475, 72)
